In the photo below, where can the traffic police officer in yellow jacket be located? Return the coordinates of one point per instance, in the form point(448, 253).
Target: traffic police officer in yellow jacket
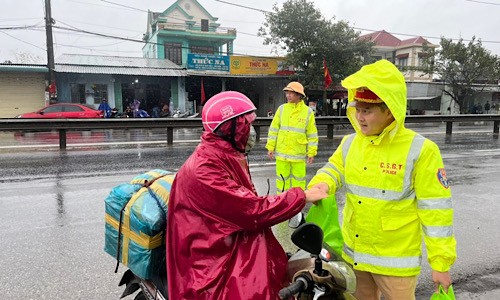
point(292, 139)
point(396, 190)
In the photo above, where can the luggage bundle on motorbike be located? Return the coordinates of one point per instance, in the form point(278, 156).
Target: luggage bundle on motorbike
point(136, 220)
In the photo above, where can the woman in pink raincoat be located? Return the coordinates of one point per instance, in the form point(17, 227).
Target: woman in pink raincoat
point(219, 239)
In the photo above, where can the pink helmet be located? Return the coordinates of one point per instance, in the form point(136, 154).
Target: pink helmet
point(224, 106)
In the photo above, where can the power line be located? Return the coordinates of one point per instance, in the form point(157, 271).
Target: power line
point(74, 29)
point(126, 6)
point(118, 37)
point(91, 49)
point(23, 41)
point(95, 4)
point(243, 6)
point(17, 19)
point(20, 27)
point(86, 35)
point(372, 30)
point(180, 19)
point(98, 34)
point(174, 18)
point(126, 39)
point(97, 25)
point(483, 2)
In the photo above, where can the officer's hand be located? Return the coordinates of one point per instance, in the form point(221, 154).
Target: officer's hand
point(310, 160)
point(441, 278)
point(270, 154)
point(314, 195)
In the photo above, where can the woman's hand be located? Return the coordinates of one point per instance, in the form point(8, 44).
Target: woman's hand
point(314, 195)
point(322, 186)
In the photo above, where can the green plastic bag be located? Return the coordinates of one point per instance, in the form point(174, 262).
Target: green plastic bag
point(326, 215)
point(442, 295)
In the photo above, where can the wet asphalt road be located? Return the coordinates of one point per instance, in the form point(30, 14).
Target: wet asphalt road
point(52, 219)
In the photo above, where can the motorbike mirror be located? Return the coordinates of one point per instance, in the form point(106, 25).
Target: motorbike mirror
point(308, 237)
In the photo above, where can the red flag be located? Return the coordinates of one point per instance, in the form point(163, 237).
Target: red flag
point(328, 78)
point(203, 96)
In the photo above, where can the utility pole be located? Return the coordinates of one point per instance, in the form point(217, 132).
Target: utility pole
point(51, 88)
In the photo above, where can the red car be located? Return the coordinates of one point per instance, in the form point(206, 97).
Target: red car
point(64, 111)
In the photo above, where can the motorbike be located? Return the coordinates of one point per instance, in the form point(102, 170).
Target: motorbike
point(186, 114)
point(316, 272)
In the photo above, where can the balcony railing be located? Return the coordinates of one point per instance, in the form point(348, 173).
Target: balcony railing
point(195, 28)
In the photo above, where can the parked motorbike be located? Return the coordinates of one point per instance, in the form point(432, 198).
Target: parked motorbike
point(178, 114)
point(316, 272)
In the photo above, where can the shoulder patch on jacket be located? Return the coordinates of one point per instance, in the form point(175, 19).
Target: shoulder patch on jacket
point(441, 175)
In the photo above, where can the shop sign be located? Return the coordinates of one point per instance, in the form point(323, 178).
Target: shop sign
point(208, 62)
point(251, 65)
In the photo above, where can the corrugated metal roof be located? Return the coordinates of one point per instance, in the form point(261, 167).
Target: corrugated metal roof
point(119, 70)
point(24, 68)
point(95, 64)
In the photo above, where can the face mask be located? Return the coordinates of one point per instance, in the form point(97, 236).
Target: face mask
point(251, 140)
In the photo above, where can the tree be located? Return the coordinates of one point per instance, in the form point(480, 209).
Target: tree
point(465, 69)
point(307, 37)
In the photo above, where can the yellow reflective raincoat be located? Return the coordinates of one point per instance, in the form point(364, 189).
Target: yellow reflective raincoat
point(396, 187)
point(293, 135)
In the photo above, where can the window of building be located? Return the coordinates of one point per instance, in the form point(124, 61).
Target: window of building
point(173, 52)
point(100, 92)
point(402, 59)
point(201, 50)
point(77, 93)
point(204, 25)
point(403, 62)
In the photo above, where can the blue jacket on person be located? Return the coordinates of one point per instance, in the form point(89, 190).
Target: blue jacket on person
point(104, 106)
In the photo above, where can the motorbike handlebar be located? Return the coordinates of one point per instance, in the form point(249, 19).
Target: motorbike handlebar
point(299, 285)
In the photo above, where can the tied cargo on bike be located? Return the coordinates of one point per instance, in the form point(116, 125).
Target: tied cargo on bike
point(135, 214)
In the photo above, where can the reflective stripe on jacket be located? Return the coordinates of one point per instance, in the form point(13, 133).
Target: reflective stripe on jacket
point(293, 135)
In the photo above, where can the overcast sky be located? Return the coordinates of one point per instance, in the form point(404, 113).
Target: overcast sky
point(404, 18)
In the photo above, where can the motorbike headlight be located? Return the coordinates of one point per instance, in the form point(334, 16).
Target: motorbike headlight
point(345, 271)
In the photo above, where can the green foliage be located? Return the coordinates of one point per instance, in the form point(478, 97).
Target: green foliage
point(465, 68)
point(301, 30)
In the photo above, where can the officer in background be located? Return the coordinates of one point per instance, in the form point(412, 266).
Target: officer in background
point(292, 139)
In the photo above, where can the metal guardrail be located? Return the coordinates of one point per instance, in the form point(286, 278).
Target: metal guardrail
point(62, 125)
